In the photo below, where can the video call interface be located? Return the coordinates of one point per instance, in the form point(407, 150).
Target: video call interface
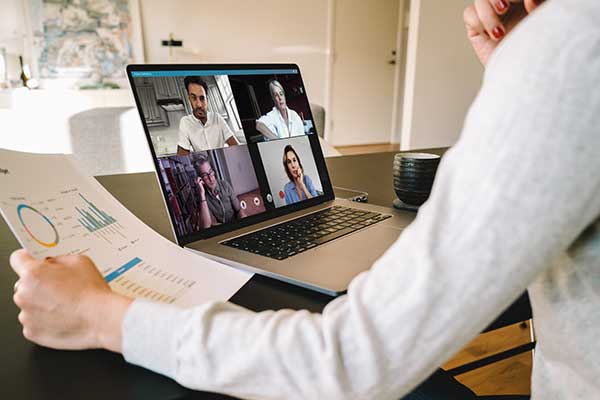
point(230, 144)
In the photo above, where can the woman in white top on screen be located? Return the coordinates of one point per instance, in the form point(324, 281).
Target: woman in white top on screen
point(281, 122)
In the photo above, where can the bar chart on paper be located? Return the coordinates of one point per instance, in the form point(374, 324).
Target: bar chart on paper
point(97, 221)
point(137, 278)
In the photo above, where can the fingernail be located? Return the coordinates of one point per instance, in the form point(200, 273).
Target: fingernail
point(498, 32)
point(502, 5)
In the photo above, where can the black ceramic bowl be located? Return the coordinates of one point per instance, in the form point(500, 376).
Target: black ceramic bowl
point(416, 168)
point(413, 176)
point(412, 198)
point(423, 158)
point(413, 186)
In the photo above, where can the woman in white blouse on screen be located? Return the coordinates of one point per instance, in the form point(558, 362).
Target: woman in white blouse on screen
point(281, 122)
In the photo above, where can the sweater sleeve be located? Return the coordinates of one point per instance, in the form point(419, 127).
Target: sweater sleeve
point(516, 190)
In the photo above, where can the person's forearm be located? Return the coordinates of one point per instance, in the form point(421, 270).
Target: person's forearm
point(205, 220)
point(262, 128)
point(232, 141)
point(307, 193)
point(301, 189)
point(108, 321)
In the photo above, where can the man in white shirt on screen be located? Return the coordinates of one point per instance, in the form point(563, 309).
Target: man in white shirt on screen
point(203, 129)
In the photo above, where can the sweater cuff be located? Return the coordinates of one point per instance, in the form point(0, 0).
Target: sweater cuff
point(149, 332)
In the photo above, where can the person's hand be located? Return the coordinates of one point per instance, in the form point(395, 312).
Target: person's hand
point(299, 178)
point(201, 190)
point(66, 304)
point(489, 21)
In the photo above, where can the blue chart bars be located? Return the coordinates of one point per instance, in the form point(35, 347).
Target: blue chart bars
point(124, 268)
point(93, 219)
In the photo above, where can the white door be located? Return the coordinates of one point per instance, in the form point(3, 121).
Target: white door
point(362, 74)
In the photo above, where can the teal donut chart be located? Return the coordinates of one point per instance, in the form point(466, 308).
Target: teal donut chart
point(53, 243)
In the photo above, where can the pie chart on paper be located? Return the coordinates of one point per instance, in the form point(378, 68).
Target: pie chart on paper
point(38, 226)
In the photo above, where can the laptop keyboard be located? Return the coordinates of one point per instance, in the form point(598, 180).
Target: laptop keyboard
point(293, 237)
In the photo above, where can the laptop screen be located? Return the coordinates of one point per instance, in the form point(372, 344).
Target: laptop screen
point(233, 145)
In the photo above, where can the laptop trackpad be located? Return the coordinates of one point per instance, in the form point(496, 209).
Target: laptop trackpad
point(335, 264)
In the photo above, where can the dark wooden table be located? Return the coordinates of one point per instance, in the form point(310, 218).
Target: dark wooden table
point(28, 371)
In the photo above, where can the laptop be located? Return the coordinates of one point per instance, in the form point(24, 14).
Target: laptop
point(243, 177)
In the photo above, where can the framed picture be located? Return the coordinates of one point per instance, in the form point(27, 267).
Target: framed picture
point(86, 43)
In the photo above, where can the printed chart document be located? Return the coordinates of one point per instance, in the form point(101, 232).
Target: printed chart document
point(54, 209)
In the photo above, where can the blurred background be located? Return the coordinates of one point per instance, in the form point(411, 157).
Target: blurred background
point(384, 74)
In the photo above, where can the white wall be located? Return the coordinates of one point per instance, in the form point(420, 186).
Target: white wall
point(12, 35)
point(241, 31)
point(442, 75)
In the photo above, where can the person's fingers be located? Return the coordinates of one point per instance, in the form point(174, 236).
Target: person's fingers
point(490, 19)
point(20, 260)
point(531, 5)
point(79, 262)
point(69, 259)
point(501, 6)
point(473, 22)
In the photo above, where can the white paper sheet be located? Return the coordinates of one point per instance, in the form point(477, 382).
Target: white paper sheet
point(53, 209)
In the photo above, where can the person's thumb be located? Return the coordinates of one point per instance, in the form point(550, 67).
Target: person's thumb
point(531, 5)
point(20, 260)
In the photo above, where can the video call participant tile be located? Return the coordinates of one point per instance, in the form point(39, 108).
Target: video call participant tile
point(189, 113)
point(291, 170)
point(272, 106)
point(210, 188)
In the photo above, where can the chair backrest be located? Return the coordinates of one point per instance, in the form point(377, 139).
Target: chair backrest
point(318, 113)
point(109, 140)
